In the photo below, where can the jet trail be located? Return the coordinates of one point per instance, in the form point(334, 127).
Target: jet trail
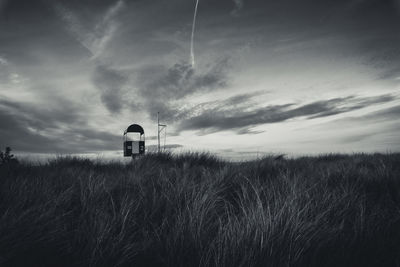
point(192, 39)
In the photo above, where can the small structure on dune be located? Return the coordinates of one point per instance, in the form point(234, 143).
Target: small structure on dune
point(134, 141)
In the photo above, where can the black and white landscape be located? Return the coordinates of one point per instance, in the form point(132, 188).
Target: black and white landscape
point(269, 133)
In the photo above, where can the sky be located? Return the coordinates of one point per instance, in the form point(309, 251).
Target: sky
point(297, 77)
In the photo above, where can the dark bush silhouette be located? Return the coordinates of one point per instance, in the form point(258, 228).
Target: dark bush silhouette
point(6, 157)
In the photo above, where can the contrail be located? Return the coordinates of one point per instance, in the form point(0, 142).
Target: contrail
point(193, 28)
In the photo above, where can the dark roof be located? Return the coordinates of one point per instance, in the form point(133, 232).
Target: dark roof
point(135, 128)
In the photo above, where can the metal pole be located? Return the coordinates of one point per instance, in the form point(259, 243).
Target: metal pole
point(165, 136)
point(158, 130)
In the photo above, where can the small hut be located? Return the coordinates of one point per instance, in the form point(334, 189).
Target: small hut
point(134, 141)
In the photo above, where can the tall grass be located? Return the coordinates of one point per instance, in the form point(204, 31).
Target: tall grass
point(197, 210)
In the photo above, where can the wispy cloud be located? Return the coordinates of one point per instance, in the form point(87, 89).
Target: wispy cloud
point(107, 79)
point(3, 61)
point(4, 71)
point(238, 6)
point(75, 27)
point(162, 89)
point(97, 38)
point(106, 28)
point(228, 117)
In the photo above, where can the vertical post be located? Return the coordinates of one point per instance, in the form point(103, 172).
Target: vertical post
point(158, 130)
point(165, 136)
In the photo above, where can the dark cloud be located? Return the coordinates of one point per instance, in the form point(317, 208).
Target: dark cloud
point(341, 105)
point(226, 117)
point(31, 29)
point(58, 129)
point(162, 89)
point(383, 54)
point(110, 83)
point(47, 117)
point(367, 30)
point(15, 133)
point(244, 131)
point(181, 80)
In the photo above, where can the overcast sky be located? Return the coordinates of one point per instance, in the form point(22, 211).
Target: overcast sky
point(288, 76)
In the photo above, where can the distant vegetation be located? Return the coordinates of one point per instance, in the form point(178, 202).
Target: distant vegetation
point(6, 157)
point(197, 210)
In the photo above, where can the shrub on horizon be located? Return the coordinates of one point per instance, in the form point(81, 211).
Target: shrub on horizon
point(6, 157)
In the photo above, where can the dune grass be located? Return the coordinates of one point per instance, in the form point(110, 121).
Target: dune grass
point(197, 210)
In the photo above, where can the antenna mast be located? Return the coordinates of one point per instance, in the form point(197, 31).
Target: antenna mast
point(160, 127)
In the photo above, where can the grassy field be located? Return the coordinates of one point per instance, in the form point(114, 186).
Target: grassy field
point(197, 210)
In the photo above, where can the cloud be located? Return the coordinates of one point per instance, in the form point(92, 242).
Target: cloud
point(382, 54)
point(52, 129)
point(181, 80)
point(3, 61)
point(15, 134)
point(75, 27)
point(238, 6)
point(244, 131)
point(110, 83)
point(4, 71)
point(106, 28)
point(228, 117)
point(162, 89)
point(388, 114)
point(336, 106)
point(379, 127)
point(57, 112)
point(96, 38)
